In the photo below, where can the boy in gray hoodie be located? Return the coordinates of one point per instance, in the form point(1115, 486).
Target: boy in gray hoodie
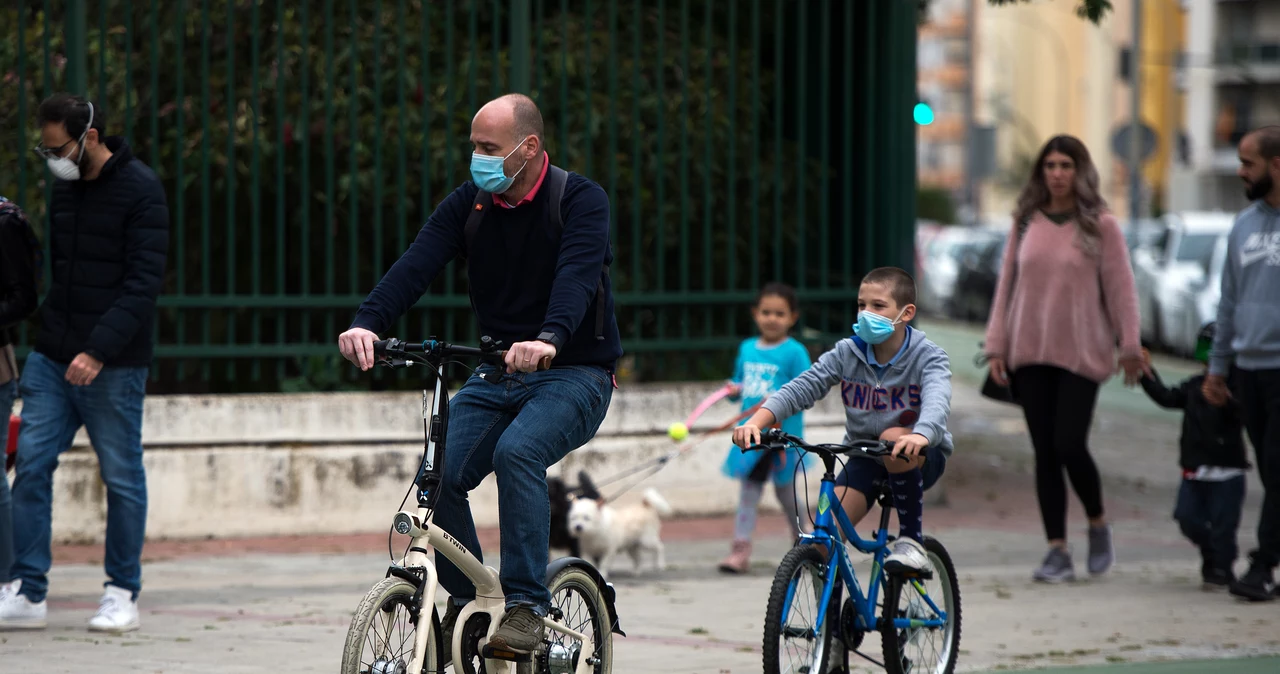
point(895, 386)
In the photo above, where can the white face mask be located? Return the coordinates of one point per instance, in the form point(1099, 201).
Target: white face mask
point(66, 168)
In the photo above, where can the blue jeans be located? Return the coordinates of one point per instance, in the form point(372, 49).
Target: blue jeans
point(1209, 514)
point(52, 411)
point(516, 429)
point(8, 392)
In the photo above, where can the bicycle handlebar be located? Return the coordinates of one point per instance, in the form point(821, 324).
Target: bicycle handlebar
point(773, 438)
point(437, 349)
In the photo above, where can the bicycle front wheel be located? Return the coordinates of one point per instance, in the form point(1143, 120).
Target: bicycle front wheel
point(380, 639)
point(922, 649)
point(793, 639)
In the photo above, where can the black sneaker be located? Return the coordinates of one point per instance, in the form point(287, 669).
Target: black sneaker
point(447, 625)
point(1257, 583)
point(1215, 579)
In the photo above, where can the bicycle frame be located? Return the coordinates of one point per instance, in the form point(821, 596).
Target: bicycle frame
point(829, 523)
point(425, 536)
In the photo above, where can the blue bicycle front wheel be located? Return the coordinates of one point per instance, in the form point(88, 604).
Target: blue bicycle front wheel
point(795, 639)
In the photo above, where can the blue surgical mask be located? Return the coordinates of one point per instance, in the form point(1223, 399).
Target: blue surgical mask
point(873, 328)
point(487, 172)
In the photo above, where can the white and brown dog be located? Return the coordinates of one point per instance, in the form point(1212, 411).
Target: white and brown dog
point(603, 531)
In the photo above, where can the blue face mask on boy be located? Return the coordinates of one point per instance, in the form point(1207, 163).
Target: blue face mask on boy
point(487, 172)
point(873, 328)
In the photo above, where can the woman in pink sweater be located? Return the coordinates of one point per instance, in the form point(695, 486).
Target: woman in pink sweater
point(1064, 300)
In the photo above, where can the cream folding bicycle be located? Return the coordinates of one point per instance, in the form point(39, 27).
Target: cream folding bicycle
point(393, 633)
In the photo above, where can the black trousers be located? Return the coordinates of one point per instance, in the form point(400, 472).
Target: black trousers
point(1209, 515)
point(1258, 392)
point(1058, 406)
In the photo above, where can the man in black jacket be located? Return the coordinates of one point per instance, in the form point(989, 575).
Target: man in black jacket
point(17, 302)
point(109, 236)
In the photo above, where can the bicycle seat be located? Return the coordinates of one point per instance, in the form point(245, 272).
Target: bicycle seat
point(885, 497)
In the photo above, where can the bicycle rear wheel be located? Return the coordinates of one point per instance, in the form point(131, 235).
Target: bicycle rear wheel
point(793, 641)
point(380, 639)
point(921, 650)
point(575, 594)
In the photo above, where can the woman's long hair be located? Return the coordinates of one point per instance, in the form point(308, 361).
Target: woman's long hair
point(1089, 202)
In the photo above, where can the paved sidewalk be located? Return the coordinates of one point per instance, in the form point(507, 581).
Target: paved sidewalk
point(1262, 665)
point(284, 604)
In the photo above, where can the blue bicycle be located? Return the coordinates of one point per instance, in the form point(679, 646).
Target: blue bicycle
point(806, 621)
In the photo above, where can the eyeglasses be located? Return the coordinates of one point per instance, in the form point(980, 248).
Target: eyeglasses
point(51, 153)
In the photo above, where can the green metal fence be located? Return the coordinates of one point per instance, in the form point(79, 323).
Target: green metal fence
point(303, 144)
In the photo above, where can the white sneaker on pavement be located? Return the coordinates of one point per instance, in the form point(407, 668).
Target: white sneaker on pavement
point(908, 555)
point(117, 612)
point(19, 613)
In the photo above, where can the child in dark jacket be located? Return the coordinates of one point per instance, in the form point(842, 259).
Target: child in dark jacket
point(1213, 463)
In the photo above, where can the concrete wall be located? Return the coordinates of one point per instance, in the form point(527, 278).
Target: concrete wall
point(267, 465)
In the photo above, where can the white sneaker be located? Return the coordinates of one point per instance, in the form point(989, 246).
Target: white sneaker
point(909, 556)
point(19, 613)
point(117, 612)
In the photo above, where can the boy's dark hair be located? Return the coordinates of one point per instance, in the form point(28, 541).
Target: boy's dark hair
point(72, 111)
point(782, 290)
point(902, 286)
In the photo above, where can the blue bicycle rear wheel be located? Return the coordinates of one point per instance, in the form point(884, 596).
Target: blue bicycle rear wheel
point(918, 648)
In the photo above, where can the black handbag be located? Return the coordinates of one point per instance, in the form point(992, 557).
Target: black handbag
point(990, 389)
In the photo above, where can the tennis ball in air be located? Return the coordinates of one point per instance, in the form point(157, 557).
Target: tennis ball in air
point(678, 431)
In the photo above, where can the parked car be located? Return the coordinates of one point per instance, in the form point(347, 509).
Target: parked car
point(938, 269)
point(1145, 235)
point(1191, 299)
point(1176, 258)
point(979, 267)
point(1148, 260)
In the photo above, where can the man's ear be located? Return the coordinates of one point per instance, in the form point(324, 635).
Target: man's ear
point(908, 313)
point(532, 145)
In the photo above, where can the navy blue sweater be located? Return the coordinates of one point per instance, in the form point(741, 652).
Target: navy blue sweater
point(109, 239)
point(525, 277)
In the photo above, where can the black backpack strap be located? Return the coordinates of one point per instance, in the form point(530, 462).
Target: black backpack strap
point(478, 209)
point(556, 180)
point(600, 313)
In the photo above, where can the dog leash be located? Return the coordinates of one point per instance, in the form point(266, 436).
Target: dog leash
point(656, 464)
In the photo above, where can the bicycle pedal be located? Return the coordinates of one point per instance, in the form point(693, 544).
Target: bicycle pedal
point(921, 575)
point(491, 653)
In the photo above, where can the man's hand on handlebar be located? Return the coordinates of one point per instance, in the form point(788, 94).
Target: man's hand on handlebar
point(748, 434)
point(356, 345)
point(525, 356)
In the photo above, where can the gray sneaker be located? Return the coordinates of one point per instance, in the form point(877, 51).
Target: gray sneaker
point(520, 632)
point(1102, 553)
point(1056, 568)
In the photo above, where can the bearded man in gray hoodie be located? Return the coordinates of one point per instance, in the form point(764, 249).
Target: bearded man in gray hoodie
point(1246, 347)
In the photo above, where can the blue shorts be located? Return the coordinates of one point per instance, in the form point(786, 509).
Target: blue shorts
point(867, 474)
